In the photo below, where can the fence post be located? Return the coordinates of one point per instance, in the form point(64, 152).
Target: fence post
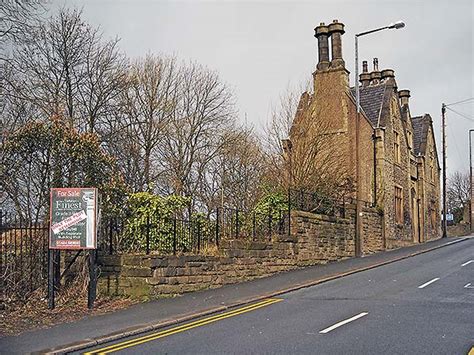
point(174, 235)
point(270, 224)
point(217, 227)
point(148, 235)
point(343, 207)
point(199, 234)
point(111, 231)
point(289, 212)
point(280, 222)
point(254, 226)
point(50, 279)
point(236, 222)
point(92, 285)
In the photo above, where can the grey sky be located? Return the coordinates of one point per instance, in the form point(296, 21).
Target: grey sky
point(261, 48)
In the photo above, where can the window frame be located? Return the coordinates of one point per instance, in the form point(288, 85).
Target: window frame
point(396, 147)
point(398, 199)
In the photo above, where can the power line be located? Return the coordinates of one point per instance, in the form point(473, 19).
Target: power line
point(461, 114)
point(455, 143)
point(460, 102)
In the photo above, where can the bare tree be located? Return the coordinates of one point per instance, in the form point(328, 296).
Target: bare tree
point(234, 177)
point(146, 107)
point(458, 193)
point(197, 127)
point(66, 68)
point(17, 17)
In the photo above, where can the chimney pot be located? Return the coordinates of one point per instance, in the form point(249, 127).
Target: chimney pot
point(364, 67)
point(364, 79)
point(336, 30)
point(404, 96)
point(388, 73)
point(321, 32)
point(376, 64)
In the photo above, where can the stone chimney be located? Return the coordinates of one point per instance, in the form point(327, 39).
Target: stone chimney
point(375, 76)
point(321, 33)
point(336, 30)
point(388, 76)
point(364, 77)
point(404, 96)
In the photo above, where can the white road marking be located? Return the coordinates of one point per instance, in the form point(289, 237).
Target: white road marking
point(337, 325)
point(468, 285)
point(467, 262)
point(428, 283)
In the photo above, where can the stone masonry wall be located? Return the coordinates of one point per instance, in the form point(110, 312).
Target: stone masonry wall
point(373, 238)
point(314, 239)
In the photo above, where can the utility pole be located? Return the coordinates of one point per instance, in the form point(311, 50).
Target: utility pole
point(443, 127)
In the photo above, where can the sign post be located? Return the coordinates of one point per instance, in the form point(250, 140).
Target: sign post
point(73, 226)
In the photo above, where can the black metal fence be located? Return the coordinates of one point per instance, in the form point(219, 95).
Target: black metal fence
point(173, 235)
point(24, 245)
point(23, 256)
point(318, 203)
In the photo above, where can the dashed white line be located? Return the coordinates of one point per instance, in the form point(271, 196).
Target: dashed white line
point(337, 325)
point(428, 283)
point(467, 262)
point(468, 285)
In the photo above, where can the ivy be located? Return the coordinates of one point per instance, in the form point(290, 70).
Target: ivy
point(156, 218)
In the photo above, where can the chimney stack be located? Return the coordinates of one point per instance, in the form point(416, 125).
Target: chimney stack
point(336, 29)
point(404, 96)
point(321, 33)
point(364, 77)
point(375, 76)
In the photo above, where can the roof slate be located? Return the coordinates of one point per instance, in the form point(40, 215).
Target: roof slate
point(421, 125)
point(371, 98)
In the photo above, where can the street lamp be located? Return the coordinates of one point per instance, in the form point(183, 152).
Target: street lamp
point(396, 25)
point(471, 203)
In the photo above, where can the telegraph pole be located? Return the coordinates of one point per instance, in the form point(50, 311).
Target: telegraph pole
point(443, 127)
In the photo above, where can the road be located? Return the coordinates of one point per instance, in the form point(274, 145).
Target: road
point(419, 305)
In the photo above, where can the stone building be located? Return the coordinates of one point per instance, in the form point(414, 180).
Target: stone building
point(398, 167)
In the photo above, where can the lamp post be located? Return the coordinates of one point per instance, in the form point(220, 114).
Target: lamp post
point(471, 202)
point(396, 25)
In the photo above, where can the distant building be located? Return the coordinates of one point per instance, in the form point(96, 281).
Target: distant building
point(399, 167)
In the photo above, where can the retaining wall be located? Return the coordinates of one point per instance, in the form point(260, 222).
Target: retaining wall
point(314, 239)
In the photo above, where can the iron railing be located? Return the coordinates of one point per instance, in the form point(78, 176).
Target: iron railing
point(172, 235)
point(23, 256)
point(318, 203)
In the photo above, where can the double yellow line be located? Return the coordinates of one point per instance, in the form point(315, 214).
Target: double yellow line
point(182, 328)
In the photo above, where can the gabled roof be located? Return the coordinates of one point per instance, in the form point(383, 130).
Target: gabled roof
point(421, 126)
point(371, 99)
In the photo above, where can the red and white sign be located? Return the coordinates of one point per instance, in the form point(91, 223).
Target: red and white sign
point(68, 222)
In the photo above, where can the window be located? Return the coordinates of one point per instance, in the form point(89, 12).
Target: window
point(396, 148)
point(398, 204)
point(433, 218)
point(432, 165)
point(410, 139)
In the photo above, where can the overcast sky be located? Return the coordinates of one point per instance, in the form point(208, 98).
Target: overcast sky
point(262, 47)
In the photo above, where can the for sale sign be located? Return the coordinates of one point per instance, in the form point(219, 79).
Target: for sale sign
point(73, 221)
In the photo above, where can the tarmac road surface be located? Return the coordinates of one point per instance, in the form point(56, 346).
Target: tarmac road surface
point(419, 305)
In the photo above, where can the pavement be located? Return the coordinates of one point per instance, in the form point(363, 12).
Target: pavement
point(145, 317)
